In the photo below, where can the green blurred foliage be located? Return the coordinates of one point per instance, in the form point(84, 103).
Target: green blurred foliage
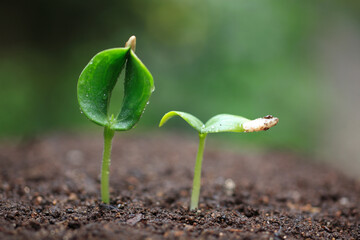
point(249, 58)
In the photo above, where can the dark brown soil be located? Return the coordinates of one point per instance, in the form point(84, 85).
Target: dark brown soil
point(49, 189)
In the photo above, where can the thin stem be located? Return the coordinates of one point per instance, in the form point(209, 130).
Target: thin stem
point(108, 136)
point(197, 173)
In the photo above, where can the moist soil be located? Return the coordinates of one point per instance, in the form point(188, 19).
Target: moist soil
point(49, 189)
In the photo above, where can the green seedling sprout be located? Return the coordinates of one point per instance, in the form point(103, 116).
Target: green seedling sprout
point(218, 123)
point(94, 90)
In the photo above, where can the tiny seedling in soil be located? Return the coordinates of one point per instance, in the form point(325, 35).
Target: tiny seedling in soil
point(218, 123)
point(94, 89)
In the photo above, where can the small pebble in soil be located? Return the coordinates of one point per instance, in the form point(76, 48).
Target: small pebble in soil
point(134, 220)
point(229, 187)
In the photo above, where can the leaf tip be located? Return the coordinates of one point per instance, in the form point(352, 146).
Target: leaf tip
point(161, 122)
point(131, 43)
point(165, 118)
point(260, 124)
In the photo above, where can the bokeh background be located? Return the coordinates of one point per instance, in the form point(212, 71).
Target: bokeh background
point(297, 60)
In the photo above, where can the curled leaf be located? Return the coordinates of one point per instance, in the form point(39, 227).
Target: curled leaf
point(190, 119)
point(138, 87)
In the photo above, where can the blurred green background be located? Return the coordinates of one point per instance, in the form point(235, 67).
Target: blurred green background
point(249, 58)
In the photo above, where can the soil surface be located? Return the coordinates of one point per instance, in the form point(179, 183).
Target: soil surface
point(49, 189)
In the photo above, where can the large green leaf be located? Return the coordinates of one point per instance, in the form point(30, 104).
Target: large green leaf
point(97, 82)
point(190, 119)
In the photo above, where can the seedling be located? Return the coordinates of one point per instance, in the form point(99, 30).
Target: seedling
point(94, 90)
point(218, 123)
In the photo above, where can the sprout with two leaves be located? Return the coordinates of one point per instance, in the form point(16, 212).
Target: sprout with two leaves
point(218, 123)
point(94, 90)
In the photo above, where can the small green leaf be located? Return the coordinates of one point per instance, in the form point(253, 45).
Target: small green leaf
point(225, 123)
point(98, 80)
point(190, 119)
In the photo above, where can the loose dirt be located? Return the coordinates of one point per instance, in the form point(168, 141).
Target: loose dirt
point(49, 189)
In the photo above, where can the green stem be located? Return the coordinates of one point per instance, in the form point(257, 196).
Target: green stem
point(108, 136)
point(197, 173)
